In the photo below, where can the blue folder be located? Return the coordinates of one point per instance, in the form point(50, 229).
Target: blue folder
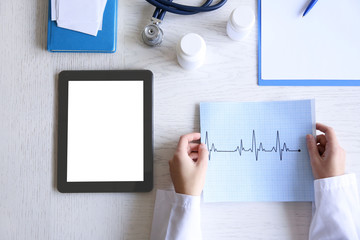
point(65, 40)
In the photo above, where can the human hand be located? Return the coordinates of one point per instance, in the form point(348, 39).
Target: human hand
point(189, 164)
point(326, 156)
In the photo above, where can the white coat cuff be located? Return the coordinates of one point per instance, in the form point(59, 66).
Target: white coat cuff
point(331, 183)
point(186, 201)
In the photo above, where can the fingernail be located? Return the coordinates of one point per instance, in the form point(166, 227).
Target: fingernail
point(202, 146)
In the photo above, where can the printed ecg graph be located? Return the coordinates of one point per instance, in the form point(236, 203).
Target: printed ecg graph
point(278, 148)
point(257, 151)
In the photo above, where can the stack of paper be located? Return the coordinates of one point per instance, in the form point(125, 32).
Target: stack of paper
point(84, 16)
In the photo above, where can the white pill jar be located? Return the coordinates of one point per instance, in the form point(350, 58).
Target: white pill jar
point(191, 51)
point(240, 23)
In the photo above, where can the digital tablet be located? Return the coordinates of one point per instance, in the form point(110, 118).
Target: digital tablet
point(105, 141)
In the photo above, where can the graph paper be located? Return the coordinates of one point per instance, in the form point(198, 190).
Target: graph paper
point(257, 151)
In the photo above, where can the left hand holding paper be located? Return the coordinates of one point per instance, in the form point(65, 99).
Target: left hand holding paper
point(189, 164)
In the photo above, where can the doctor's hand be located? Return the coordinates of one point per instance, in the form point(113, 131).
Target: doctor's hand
point(326, 156)
point(189, 164)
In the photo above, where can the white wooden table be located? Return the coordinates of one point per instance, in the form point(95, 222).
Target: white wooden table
point(30, 205)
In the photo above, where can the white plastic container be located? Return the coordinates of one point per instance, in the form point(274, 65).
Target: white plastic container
point(191, 51)
point(240, 23)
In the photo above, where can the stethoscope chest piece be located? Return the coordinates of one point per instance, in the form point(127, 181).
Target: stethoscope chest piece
point(152, 34)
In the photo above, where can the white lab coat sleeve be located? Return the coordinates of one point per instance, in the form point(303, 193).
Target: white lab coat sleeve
point(176, 217)
point(337, 209)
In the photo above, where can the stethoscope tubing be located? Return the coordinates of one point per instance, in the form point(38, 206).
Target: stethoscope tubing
point(163, 6)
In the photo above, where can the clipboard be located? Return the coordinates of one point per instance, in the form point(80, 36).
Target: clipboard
point(320, 49)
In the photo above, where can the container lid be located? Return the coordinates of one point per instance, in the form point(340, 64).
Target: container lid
point(192, 44)
point(242, 18)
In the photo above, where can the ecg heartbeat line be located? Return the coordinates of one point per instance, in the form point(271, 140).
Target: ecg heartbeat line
point(240, 149)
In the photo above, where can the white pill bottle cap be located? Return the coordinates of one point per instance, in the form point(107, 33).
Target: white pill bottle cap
point(191, 51)
point(240, 23)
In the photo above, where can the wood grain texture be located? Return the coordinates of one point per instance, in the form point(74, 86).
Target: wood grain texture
point(31, 207)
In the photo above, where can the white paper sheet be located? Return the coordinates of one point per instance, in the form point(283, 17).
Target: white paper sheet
point(79, 15)
point(53, 10)
point(257, 151)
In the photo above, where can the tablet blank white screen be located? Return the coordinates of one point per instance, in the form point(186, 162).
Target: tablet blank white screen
point(105, 131)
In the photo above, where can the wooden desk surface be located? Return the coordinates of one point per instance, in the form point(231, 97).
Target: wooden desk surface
point(30, 205)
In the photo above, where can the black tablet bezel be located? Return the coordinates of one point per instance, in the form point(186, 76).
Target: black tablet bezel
point(118, 75)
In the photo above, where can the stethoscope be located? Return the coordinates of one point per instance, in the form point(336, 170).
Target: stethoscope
point(153, 35)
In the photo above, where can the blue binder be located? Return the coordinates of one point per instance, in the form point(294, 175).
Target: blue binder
point(65, 40)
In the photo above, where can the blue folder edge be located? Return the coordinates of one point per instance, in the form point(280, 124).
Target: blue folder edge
point(307, 82)
point(50, 23)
